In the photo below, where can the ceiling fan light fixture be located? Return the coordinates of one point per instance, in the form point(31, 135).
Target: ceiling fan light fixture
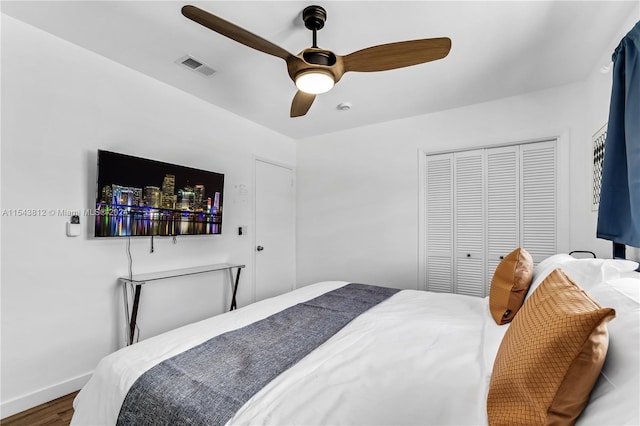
point(314, 82)
point(316, 70)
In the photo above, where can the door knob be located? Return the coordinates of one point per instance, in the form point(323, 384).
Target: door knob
point(259, 248)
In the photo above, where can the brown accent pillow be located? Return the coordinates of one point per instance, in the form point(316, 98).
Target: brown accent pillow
point(509, 285)
point(550, 357)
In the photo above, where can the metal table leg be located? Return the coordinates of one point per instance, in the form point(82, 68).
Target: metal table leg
point(134, 313)
point(127, 317)
point(235, 291)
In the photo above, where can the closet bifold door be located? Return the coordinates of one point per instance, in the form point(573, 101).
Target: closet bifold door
point(538, 199)
point(439, 222)
point(468, 217)
point(503, 212)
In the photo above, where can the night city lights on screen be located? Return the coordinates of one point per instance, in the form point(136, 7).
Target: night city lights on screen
point(140, 197)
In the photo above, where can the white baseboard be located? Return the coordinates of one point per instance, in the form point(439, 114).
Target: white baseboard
point(24, 402)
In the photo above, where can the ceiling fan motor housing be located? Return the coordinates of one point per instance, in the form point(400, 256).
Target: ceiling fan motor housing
point(314, 17)
point(315, 59)
point(319, 57)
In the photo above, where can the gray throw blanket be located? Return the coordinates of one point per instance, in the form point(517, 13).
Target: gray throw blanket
point(207, 384)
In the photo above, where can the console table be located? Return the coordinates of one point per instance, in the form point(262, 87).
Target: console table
point(137, 281)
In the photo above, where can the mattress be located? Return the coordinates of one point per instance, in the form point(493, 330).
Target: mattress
point(415, 358)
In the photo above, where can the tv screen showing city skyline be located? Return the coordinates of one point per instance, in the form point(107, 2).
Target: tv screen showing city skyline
point(143, 197)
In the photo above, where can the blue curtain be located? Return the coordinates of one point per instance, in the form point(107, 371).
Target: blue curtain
point(619, 211)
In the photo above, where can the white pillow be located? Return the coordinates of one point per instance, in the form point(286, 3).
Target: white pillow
point(544, 268)
point(590, 272)
point(612, 283)
point(586, 272)
point(614, 399)
point(492, 335)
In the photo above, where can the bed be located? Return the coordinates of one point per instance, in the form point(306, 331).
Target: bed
point(410, 357)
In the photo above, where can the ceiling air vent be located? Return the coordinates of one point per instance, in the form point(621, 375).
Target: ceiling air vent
point(196, 65)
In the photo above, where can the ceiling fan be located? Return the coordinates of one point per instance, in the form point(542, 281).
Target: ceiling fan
point(316, 70)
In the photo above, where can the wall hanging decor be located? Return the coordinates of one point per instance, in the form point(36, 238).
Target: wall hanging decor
point(598, 140)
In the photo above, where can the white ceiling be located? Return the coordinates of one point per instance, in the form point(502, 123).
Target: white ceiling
point(499, 49)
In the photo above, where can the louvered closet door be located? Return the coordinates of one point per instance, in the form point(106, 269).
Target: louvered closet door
point(469, 223)
point(439, 222)
point(503, 228)
point(538, 199)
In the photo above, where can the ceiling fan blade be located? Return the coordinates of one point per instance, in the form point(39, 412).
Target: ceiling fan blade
point(301, 103)
point(234, 32)
point(397, 55)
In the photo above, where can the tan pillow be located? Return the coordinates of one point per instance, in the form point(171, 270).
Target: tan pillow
point(509, 285)
point(550, 357)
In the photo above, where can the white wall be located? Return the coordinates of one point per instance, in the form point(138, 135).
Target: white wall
point(358, 189)
point(61, 302)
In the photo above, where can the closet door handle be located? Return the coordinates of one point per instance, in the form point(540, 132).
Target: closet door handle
point(468, 254)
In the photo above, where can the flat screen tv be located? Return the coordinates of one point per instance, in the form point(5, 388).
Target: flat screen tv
point(141, 197)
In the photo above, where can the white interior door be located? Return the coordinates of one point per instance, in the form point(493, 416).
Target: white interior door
point(503, 206)
point(468, 220)
point(274, 247)
point(538, 199)
point(439, 222)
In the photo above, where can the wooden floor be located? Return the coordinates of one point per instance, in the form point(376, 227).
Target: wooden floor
point(54, 413)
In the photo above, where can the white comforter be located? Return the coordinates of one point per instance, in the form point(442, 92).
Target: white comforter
point(416, 358)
